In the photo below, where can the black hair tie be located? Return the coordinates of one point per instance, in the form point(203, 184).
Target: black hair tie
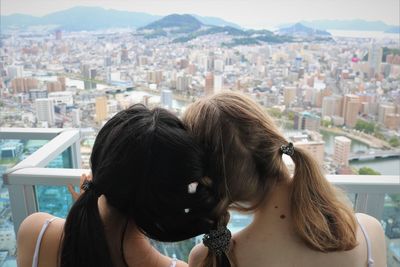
point(88, 185)
point(287, 149)
point(218, 241)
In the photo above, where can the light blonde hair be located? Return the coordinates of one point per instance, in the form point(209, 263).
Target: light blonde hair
point(244, 161)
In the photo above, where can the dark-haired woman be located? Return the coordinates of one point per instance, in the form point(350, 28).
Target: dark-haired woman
point(299, 220)
point(146, 183)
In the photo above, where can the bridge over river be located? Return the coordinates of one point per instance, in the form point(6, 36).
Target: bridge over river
point(367, 155)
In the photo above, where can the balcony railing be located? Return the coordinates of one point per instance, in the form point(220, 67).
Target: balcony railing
point(23, 179)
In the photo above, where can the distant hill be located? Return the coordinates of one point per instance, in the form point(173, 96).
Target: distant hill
point(93, 18)
point(216, 22)
point(353, 25)
point(82, 18)
point(299, 29)
point(181, 23)
point(394, 29)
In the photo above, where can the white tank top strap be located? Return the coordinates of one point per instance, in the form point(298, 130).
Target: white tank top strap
point(35, 262)
point(370, 262)
point(174, 261)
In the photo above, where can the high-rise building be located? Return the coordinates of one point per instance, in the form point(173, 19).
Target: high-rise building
point(101, 108)
point(45, 110)
point(124, 55)
point(342, 150)
point(154, 76)
point(143, 60)
point(183, 82)
point(76, 117)
point(384, 110)
point(313, 144)
point(328, 107)
point(62, 81)
point(218, 83)
point(351, 108)
point(209, 84)
point(23, 85)
point(307, 121)
point(289, 95)
point(219, 65)
point(166, 98)
point(14, 72)
point(107, 61)
point(37, 93)
point(375, 58)
point(392, 121)
point(55, 86)
point(93, 73)
point(58, 35)
point(85, 70)
point(191, 69)
point(62, 98)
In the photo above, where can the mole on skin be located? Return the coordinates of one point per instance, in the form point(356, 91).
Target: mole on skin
point(276, 207)
point(283, 216)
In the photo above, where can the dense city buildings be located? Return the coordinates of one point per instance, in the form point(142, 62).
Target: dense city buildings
point(338, 97)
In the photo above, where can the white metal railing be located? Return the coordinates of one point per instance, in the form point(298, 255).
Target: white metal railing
point(22, 196)
point(370, 190)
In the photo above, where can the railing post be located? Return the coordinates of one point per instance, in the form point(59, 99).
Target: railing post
point(23, 203)
point(76, 155)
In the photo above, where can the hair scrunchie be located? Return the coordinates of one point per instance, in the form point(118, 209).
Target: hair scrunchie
point(218, 240)
point(288, 149)
point(88, 185)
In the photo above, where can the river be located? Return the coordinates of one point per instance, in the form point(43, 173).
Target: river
point(389, 166)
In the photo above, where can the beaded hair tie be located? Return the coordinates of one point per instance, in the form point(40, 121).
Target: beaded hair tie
point(287, 149)
point(218, 240)
point(88, 185)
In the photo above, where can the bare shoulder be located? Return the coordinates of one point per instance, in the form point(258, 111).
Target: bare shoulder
point(377, 237)
point(370, 223)
point(197, 255)
point(28, 233)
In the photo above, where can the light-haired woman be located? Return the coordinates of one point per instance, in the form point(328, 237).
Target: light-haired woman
point(299, 220)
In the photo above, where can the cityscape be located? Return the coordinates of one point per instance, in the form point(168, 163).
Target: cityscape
point(336, 96)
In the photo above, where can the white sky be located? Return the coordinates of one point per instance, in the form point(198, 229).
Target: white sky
point(246, 13)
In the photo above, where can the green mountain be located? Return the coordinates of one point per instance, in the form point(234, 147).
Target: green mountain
point(299, 29)
point(179, 23)
point(94, 18)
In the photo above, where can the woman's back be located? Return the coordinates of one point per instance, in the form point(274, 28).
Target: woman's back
point(45, 247)
point(270, 240)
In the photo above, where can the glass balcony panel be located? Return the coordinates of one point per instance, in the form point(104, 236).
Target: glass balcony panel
point(55, 200)
point(12, 151)
point(391, 225)
point(178, 250)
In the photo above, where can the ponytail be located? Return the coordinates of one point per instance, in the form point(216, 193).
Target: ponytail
point(323, 221)
point(225, 258)
point(84, 242)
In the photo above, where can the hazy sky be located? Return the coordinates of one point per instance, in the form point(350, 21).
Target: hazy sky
point(247, 13)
